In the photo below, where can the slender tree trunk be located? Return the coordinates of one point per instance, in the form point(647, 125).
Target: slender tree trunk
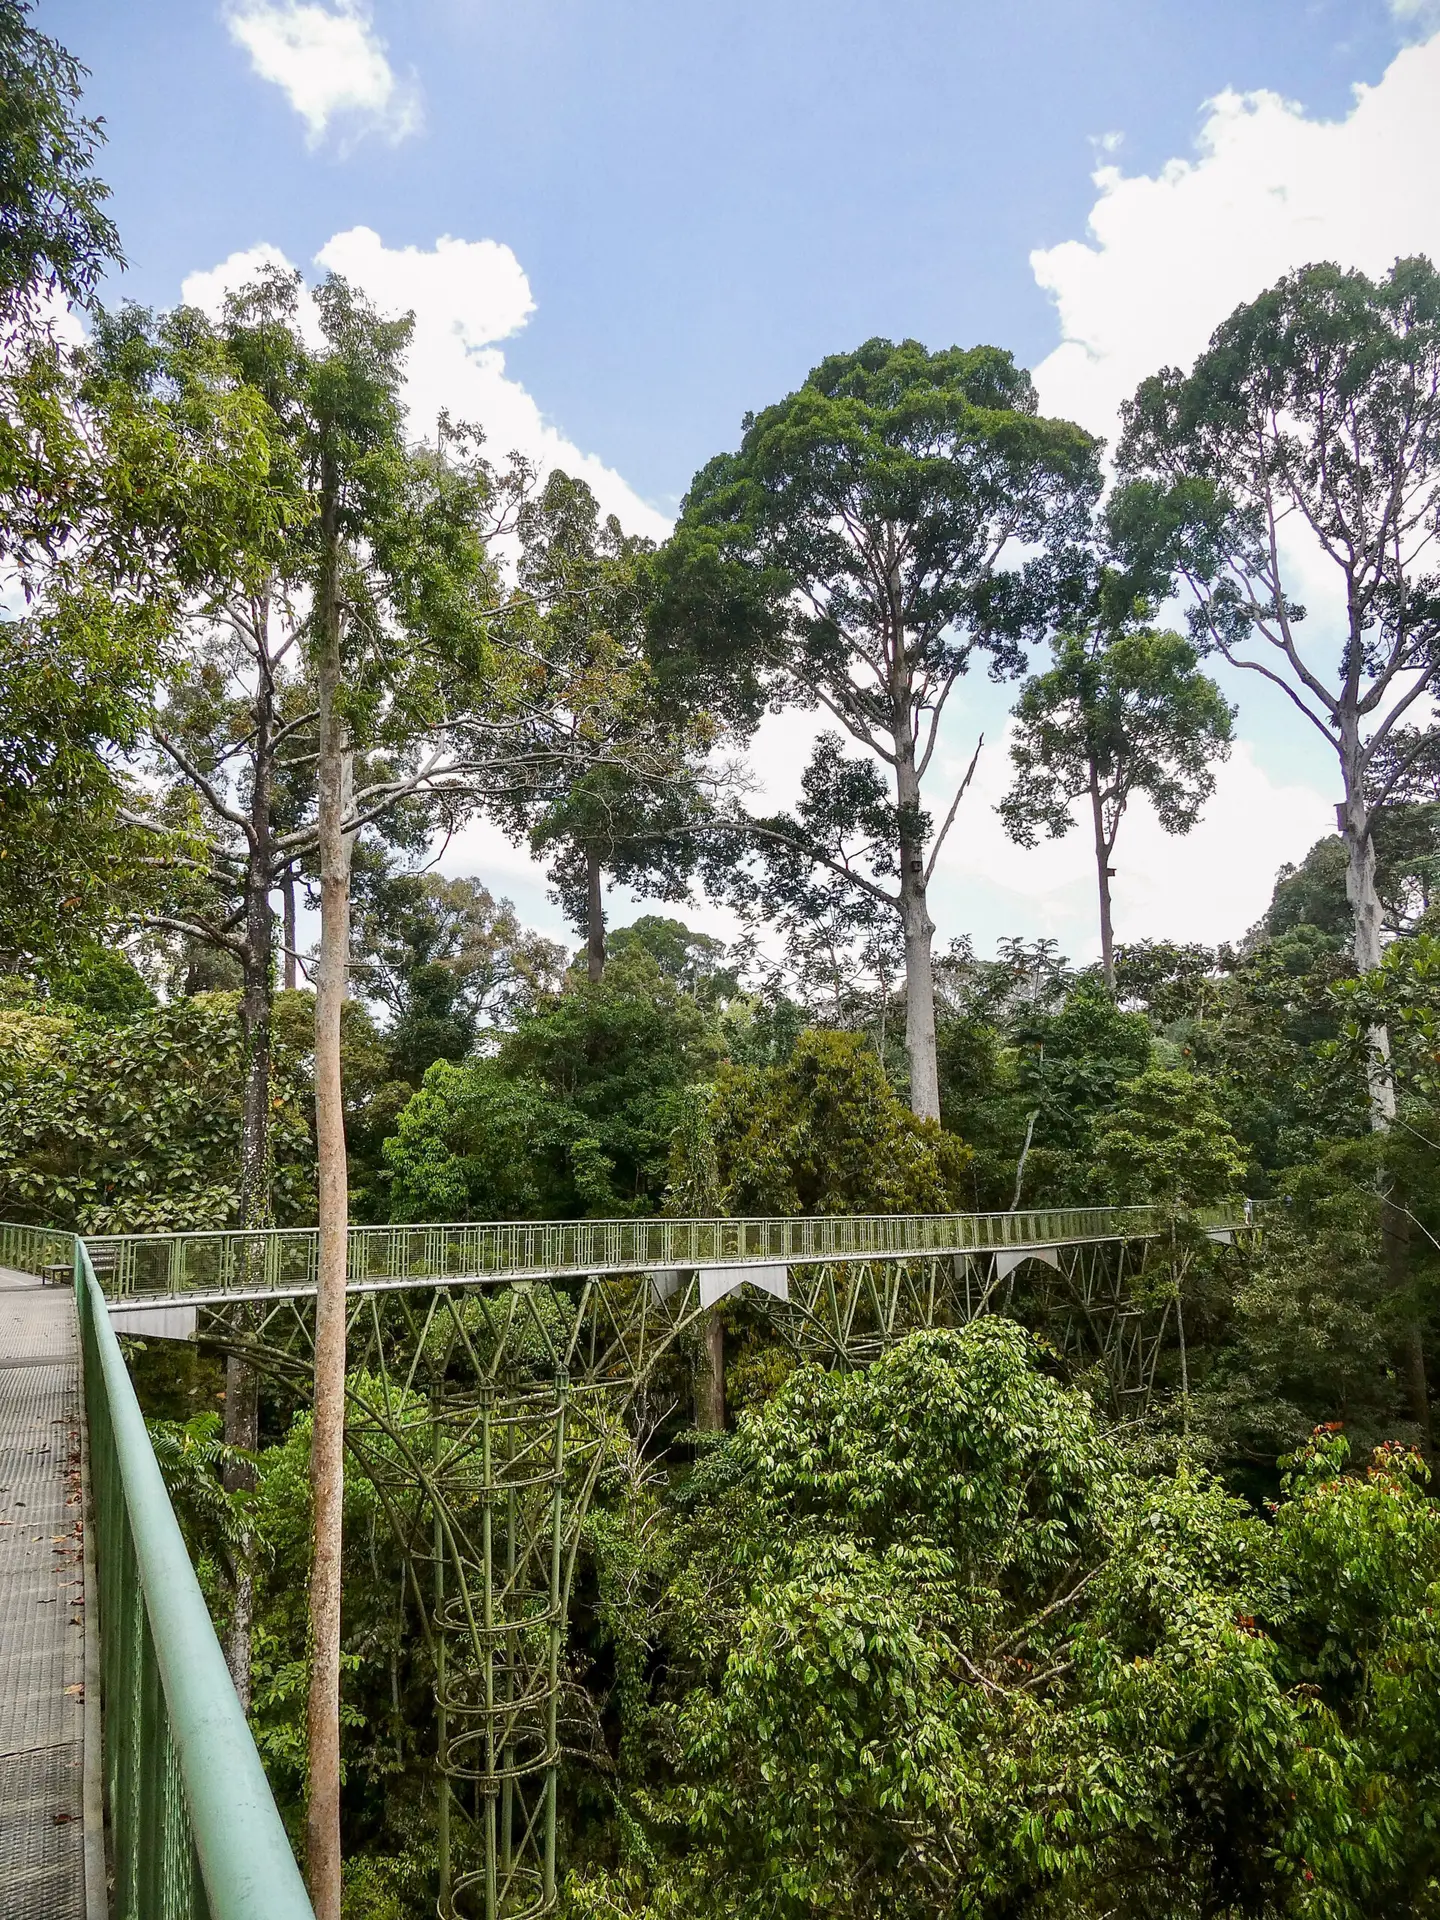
point(1354, 821)
point(919, 932)
point(327, 1458)
point(287, 901)
point(242, 1429)
point(710, 1375)
point(1395, 1244)
point(242, 1388)
point(594, 916)
point(1103, 850)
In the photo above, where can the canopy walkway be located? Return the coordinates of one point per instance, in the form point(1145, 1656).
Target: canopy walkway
point(490, 1366)
point(129, 1783)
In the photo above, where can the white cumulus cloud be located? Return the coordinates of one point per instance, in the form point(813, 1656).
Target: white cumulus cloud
point(467, 296)
point(1416, 16)
point(331, 65)
point(1269, 189)
point(1168, 256)
point(1209, 885)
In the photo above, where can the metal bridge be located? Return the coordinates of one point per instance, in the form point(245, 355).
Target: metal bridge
point(491, 1369)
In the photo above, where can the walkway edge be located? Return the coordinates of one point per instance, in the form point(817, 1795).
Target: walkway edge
point(97, 1878)
point(240, 1844)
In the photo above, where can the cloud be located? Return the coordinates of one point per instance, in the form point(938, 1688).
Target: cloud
point(1270, 189)
point(331, 65)
point(467, 296)
point(1418, 17)
point(1209, 885)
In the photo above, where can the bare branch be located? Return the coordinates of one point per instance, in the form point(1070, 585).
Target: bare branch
point(954, 808)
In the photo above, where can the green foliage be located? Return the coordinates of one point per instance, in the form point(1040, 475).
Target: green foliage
point(822, 1133)
point(1067, 1069)
point(1174, 983)
point(1167, 1141)
point(471, 1145)
point(193, 1457)
point(98, 981)
point(942, 442)
point(135, 1127)
point(1312, 1323)
point(54, 235)
point(1313, 894)
point(926, 1641)
point(572, 1116)
point(626, 805)
point(447, 962)
point(696, 962)
point(858, 533)
point(1362, 1558)
point(74, 674)
point(1115, 716)
point(1282, 1015)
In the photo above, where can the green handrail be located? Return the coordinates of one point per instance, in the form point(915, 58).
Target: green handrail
point(32, 1249)
point(194, 1830)
point(283, 1260)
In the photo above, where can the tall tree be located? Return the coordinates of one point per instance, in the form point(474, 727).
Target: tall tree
point(880, 528)
point(218, 731)
point(449, 962)
point(1309, 431)
point(230, 714)
point(397, 645)
point(628, 806)
point(1115, 715)
point(76, 663)
point(330, 647)
point(55, 236)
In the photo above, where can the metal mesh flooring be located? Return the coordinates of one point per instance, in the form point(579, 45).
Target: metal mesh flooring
point(42, 1606)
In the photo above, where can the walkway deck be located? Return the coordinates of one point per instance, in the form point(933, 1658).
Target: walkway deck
point(42, 1605)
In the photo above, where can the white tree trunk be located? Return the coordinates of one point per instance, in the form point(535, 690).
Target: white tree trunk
point(1354, 822)
point(919, 932)
point(594, 917)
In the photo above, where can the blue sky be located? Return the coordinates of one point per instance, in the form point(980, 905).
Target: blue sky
point(700, 202)
point(706, 199)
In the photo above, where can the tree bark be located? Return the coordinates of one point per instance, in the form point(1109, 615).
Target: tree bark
point(242, 1429)
point(1355, 824)
point(287, 899)
point(919, 932)
point(327, 1456)
point(242, 1390)
point(594, 917)
point(1395, 1245)
point(710, 1375)
point(1104, 847)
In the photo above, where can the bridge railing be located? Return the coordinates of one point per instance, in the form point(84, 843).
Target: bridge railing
point(33, 1249)
point(194, 1830)
point(284, 1259)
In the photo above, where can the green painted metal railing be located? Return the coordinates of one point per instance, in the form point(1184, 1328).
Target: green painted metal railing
point(32, 1249)
point(194, 1831)
point(283, 1260)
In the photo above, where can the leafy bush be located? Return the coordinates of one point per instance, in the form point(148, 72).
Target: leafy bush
point(135, 1126)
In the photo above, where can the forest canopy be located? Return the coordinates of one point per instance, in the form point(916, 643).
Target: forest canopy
point(984, 1613)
